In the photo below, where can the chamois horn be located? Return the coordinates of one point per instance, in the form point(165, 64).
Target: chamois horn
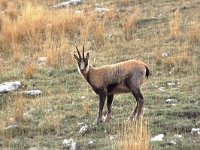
point(78, 51)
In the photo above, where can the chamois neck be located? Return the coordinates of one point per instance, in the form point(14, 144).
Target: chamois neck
point(88, 74)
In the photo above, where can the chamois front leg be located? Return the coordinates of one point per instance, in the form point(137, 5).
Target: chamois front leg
point(102, 98)
point(109, 105)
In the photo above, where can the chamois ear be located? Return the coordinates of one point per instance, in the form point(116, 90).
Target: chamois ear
point(76, 57)
point(87, 55)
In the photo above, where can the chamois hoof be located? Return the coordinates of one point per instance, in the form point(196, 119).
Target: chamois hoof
point(97, 122)
point(108, 118)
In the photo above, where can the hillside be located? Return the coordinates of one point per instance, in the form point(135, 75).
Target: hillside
point(37, 43)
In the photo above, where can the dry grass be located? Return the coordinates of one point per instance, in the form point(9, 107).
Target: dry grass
point(194, 32)
point(130, 23)
point(30, 70)
point(174, 25)
point(134, 136)
point(20, 105)
point(86, 108)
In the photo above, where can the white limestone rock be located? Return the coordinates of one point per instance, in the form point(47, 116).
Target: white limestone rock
point(83, 129)
point(158, 137)
point(101, 9)
point(195, 131)
point(9, 86)
point(170, 100)
point(32, 92)
point(69, 144)
point(68, 3)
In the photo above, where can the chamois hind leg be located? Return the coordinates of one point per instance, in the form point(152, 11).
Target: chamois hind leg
point(109, 105)
point(139, 99)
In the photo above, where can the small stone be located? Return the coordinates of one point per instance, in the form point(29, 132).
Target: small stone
point(82, 97)
point(68, 3)
point(32, 92)
point(67, 143)
point(73, 146)
point(162, 89)
point(81, 123)
point(171, 84)
point(170, 100)
point(91, 144)
point(158, 137)
point(165, 54)
point(172, 143)
point(112, 137)
point(101, 10)
point(83, 130)
point(42, 60)
point(179, 136)
point(173, 104)
point(195, 131)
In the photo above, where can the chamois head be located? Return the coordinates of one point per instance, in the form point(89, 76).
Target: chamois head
point(83, 62)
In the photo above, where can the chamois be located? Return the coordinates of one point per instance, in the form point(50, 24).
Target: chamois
point(108, 80)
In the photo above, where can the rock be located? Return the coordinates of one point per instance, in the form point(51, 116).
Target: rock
point(112, 138)
point(173, 104)
point(68, 3)
point(69, 144)
point(73, 146)
point(178, 136)
point(165, 54)
point(101, 10)
point(42, 60)
point(81, 123)
point(171, 84)
point(83, 129)
point(158, 137)
point(170, 100)
point(32, 92)
point(82, 97)
point(171, 143)
point(9, 86)
point(162, 89)
point(195, 131)
point(91, 144)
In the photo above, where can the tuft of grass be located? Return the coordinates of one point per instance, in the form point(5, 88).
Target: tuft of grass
point(174, 25)
point(19, 108)
point(30, 70)
point(134, 136)
point(130, 23)
point(158, 57)
point(194, 32)
point(86, 108)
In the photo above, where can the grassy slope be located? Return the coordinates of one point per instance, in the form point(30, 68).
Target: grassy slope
point(60, 108)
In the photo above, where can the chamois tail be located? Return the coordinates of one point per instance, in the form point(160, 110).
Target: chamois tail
point(147, 71)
